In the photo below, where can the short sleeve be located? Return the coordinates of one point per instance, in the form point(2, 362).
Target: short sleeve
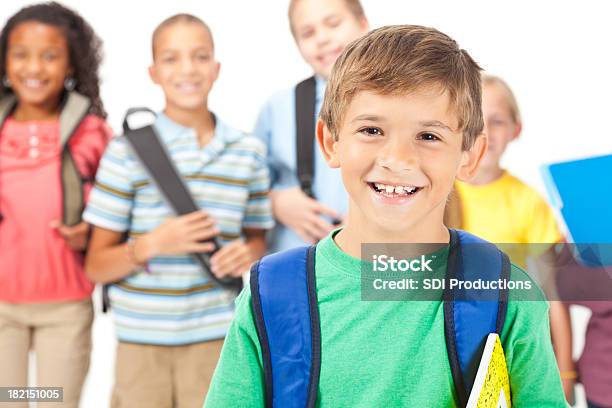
point(89, 143)
point(274, 120)
point(542, 226)
point(258, 213)
point(239, 372)
point(112, 198)
point(263, 131)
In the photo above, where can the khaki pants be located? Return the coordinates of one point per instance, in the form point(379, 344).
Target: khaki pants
point(164, 376)
point(60, 336)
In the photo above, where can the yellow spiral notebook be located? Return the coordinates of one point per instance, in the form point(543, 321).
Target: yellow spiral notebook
point(492, 385)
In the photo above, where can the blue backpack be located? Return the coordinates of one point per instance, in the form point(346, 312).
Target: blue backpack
point(285, 307)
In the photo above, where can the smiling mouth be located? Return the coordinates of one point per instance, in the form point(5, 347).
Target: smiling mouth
point(188, 87)
point(33, 83)
point(393, 191)
point(331, 56)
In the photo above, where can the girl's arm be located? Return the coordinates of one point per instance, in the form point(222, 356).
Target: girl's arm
point(561, 332)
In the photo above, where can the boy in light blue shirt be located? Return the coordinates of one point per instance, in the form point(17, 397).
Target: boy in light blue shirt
point(322, 29)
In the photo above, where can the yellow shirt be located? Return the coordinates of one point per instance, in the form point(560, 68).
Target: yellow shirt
point(508, 211)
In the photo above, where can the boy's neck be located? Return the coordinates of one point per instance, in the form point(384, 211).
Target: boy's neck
point(200, 119)
point(487, 176)
point(25, 112)
point(356, 233)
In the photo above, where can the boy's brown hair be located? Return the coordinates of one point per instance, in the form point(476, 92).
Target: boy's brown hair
point(354, 7)
point(175, 19)
point(396, 60)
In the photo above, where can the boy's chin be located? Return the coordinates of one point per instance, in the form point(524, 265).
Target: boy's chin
point(323, 72)
point(393, 226)
point(188, 103)
point(489, 162)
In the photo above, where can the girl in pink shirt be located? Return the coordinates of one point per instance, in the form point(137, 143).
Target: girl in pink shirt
point(49, 58)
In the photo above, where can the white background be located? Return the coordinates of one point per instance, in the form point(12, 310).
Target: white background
point(555, 55)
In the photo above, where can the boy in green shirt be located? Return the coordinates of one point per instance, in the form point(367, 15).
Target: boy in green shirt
point(402, 120)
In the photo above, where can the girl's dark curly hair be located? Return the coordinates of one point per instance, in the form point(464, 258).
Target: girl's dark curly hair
point(85, 47)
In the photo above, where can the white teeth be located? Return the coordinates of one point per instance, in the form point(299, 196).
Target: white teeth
point(187, 87)
point(388, 189)
point(33, 83)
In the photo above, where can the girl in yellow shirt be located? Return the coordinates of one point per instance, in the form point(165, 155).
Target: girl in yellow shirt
point(500, 208)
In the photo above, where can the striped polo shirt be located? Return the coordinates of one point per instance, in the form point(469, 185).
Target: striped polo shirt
point(174, 303)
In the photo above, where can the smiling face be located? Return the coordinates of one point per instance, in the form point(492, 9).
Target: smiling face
point(184, 65)
point(500, 126)
point(322, 29)
point(37, 63)
point(399, 157)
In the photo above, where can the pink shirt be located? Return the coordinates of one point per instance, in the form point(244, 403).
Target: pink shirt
point(36, 264)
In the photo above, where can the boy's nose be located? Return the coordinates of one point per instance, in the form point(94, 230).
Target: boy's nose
point(187, 65)
point(397, 157)
point(322, 36)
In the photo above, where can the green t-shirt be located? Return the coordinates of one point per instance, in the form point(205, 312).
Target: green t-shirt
point(386, 353)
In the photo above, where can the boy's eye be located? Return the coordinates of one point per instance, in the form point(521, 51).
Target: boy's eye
point(371, 131)
point(306, 33)
point(168, 60)
point(334, 23)
point(430, 137)
point(202, 57)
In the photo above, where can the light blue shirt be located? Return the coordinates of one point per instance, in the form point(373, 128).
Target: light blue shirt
point(276, 128)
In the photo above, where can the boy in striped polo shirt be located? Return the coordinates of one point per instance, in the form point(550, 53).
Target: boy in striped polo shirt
point(171, 319)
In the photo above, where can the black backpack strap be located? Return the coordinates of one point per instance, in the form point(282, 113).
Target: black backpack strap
point(152, 154)
point(105, 298)
point(305, 100)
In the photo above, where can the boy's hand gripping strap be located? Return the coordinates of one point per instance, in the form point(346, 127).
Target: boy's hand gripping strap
point(286, 314)
point(471, 315)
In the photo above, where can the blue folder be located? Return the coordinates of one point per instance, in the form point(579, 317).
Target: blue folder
point(582, 192)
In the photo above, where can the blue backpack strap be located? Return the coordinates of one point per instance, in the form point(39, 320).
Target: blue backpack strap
point(284, 301)
point(470, 315)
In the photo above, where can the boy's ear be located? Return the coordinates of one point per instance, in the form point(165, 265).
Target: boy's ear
point(470, 159)
point(217, 70)
point(327, 144)
point(153, 74)
point(518, 128)
point(364, 23)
